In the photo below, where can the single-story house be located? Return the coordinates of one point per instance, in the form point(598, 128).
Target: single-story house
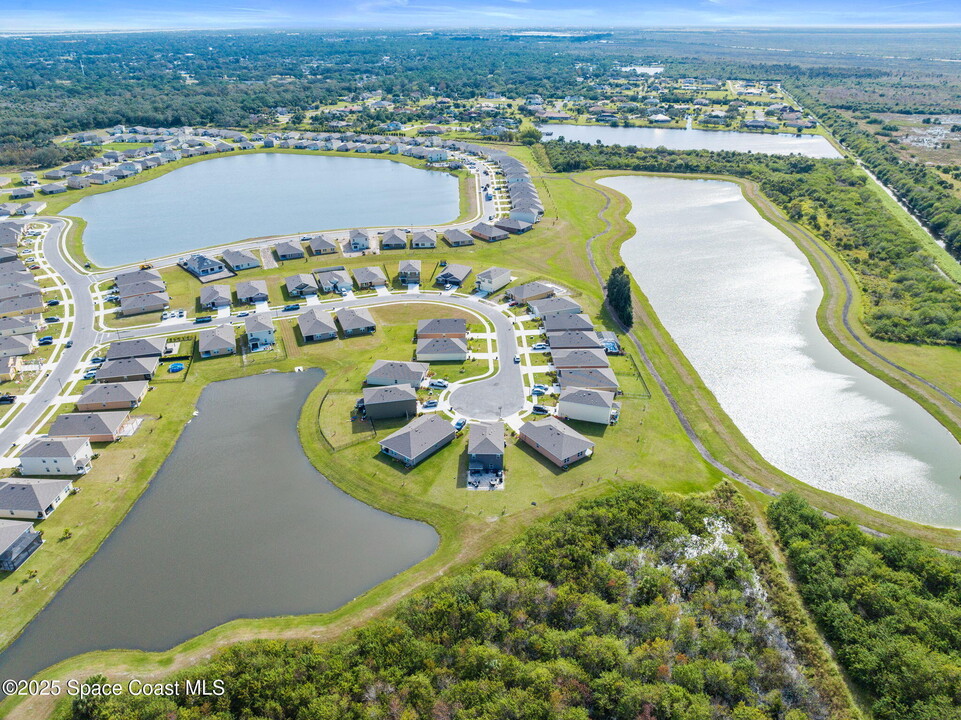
point(556, 441)
point(140, 304)
point(594, 378)
point(21, 193)
point(442, 349)
point(356, 321)
point(217, 341)
point(454, 274)
point(321, 245)
point(367, 277)
point(397, 372)
point(359, 240)
point(485, 447)
point(127, 369)
point(317, 324)
point(78, 182)
point(252, 291)
point(513, 225)
point(596, 406)
point(393, 240)
point(18, 541)
point(53, 189)
point(580, 357)
point(408, 271)
point(240, 259)
point(56, 456)
point(137, 348)
point(260, 331)
point(136, 276)
point(301, 285)
point(457, 238)
point(424, 239)
point(112, 396)
point(390, 401)
point(289, 250)
point(525, 213)
point(490, 233)
point(29, 304)
point(560, 322)
point(33, 499)
point(214, 296)
point(145, 287)
point(16, 345)
point(95, 426)
point(571, 339)
point(420, 438)
point(548, 306)
point(441, 328)
point(492, 279)
point(531, 291)
point(202, 265)
point(334, 280)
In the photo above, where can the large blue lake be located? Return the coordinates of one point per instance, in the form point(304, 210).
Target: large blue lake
point(814, 146)
point(232, 198)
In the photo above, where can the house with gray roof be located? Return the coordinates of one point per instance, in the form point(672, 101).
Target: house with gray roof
point(559, 443)
point(137, 276)
point(424, 240)
point(397, 372)
point(33, 499)
point(301, 285)
point(513, 226)
point(598, 378)
point(289, 250)
point(457, 238)
point(492, 279)
point(531, 291)
point(240, 259)
point(580, 357)
point(485, 447)
point(356, 321)
point(16, 345)
point(547, 306)
point(408, 272)
point(21, 193)
point(368, 277)
point(140, 304)
point(561, 322)
point(96, 426)
point(441, 328)
point(56, 456)
point(18, 541)
point(419, 439)
point(252, 291)
point(331, 280)
point(442, 349)
point(573, 339)
point(20, 325)
point(454, 274)
point(588, 405)
point(137, 348)
point(322, 245)
point(214, 296)
point(217, 341)
point(202, 265)
point(260, 331)
point(390, 401)
point(393, 240)
point(316, 324)
point(126, 369)
point(489, 233)
point(359, 240)
point(112, 396)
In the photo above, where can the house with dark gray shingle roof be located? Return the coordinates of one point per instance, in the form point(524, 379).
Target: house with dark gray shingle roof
point(140, 304)
point(559, 443)
point(390, 401)
point(356, 321)
point(488, 232)
point(560, 322)
point(573, 339)
point(137, 348)
point(316, 324)
point(424, 240)
point(260, 331)
point(126, 369)
point(454, 274)
point(393, 240)
point(16, 345)
point(598, 378)
point(322, 245)
point(397, 372)
point(547, 306)
point(359, 240)
point(580, 357)
point(56, 456)
point(485, 447)
point(442, 327)
point(214, 296)
point(368, 277)
point(240, 259)
point(217, 341)
point(457, 238)
point(18, 541)
point(492, 279)
point(301, 285)
point(289, 250)
point(334, 280)
point(442, 349)
point(252, 291)
point(32, 499)
point(419, 439)
point(531, 291)
point(112, 396)
point(596, 406)
point(202, 265)
point(96, 426)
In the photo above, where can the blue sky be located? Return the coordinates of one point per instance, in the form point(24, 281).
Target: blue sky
point(34, 15)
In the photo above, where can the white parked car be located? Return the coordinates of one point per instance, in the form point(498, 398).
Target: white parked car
point(439, 383)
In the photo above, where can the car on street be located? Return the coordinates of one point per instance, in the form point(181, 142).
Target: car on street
point(439, 383)
point(291, 308)
point(430, 404)
point(53, 303)
point(459, 425)
point(243, 314)
point(517, 359)
point(540, 410)
point(69, 344)
point(175, 367)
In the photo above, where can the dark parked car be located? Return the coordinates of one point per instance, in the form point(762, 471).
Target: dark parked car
point(52, 303)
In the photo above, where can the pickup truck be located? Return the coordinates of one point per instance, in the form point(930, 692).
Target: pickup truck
point(202, 319)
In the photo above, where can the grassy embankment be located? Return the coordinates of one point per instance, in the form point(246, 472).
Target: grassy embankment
point(648, 440)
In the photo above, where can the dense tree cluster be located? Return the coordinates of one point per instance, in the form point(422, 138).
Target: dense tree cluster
point(619, 295)
point(636, 606)
point(909, 300)
point(890, 606)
